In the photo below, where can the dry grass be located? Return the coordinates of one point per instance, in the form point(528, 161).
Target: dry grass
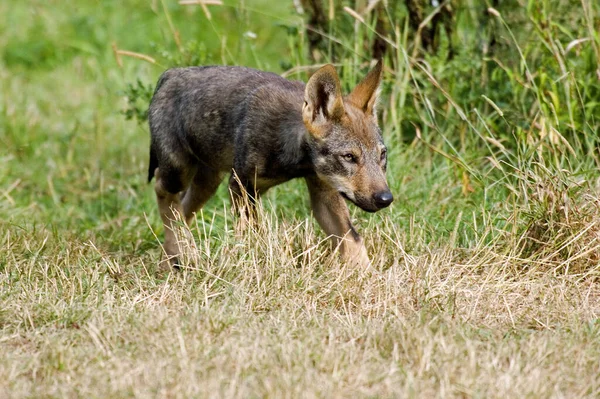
point(270, 314)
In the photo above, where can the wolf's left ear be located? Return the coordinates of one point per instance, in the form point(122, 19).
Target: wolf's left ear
point(366, 93)
point(322, 99)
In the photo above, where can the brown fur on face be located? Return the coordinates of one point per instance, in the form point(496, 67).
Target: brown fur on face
point(350, 153)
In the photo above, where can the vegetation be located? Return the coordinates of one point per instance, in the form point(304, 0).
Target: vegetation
point(486, 266)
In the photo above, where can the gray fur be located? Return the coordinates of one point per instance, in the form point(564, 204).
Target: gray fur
point(220, 117)
point(206, 122)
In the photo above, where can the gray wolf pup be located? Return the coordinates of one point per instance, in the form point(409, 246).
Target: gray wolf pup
point(206, 122)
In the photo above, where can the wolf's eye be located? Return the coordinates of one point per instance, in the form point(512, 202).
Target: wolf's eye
point(383, 155)
point(349, 158)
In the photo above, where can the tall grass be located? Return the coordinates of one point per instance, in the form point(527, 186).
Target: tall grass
point(485, 268)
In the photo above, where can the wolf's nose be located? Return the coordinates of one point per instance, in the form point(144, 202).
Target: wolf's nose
point(383, 199)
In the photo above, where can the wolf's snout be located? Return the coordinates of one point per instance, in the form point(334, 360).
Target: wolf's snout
point(383, 198)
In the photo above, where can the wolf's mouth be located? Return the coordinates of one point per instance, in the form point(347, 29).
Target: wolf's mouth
point(364, 207)
point(345, 196)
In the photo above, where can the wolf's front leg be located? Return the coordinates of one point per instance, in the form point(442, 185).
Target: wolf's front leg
point(331, 212)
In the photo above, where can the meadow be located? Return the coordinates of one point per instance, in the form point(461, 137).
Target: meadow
point(485, 275)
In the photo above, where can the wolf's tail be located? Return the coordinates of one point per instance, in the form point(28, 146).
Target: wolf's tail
point(153, 158)
point(153, 163)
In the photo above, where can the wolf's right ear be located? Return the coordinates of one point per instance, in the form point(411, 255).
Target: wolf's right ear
point(366, 93)
point(322, 99)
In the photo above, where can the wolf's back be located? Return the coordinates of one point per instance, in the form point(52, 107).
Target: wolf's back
point(198, 110)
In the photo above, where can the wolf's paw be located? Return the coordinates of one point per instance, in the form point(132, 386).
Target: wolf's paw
point(355, 253)
point(169, 263)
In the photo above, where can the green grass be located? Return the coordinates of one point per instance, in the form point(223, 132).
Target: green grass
point(485, 268)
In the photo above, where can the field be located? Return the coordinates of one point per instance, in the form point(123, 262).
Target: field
point(486, 268)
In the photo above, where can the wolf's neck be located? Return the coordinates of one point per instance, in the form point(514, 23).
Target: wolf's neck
point(295, 150)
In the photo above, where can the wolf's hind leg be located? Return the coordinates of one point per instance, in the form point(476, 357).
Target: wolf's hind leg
point(204, 185)
point(168, 186)
point(244, 193)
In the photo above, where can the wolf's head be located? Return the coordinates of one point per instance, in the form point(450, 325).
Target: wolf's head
point(346, 143)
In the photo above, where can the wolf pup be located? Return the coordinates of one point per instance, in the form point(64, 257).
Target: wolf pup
point(208, 121)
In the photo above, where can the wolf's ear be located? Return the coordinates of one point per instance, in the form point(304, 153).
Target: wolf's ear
point(322, 99)
point(366, 93)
